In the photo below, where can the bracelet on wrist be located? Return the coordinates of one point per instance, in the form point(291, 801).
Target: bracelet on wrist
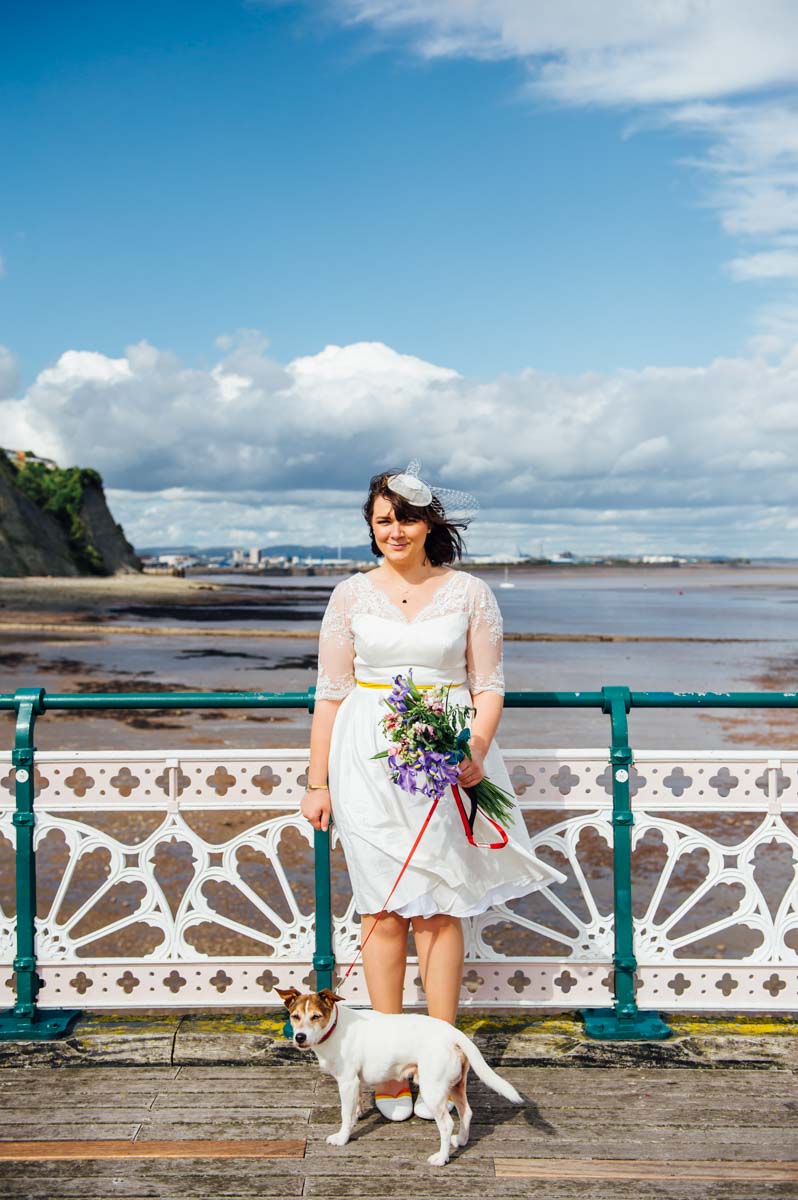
point(317, 787)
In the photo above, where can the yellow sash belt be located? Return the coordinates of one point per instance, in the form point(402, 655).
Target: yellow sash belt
point(363, 683)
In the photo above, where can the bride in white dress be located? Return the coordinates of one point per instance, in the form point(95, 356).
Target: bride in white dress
point(412, 612)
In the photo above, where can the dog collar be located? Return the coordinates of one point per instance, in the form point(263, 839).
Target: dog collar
point(331, 1030)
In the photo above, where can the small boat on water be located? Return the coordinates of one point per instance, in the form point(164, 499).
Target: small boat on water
point(505, 583)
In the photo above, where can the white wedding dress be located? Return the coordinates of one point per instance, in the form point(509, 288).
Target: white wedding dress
point(457, 639)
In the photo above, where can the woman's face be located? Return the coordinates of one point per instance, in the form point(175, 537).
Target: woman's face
point(400, 542)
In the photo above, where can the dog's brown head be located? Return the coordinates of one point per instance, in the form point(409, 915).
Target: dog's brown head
point(310, 1013)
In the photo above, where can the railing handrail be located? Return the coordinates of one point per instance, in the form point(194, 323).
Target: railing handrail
point(513, 699)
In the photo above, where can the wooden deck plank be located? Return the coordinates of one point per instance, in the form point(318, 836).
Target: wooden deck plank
point(382, 1142)
point(88, 1151)
point(419, 1188)
point(103, 1078)
point(179, 1179)
point(440, 1183)
point(179, 1110)
point(20, 1131)
point(45, 1108)
point(244, 1179)
point(783, 1114)
point(607, 1168)
point(517, 1189)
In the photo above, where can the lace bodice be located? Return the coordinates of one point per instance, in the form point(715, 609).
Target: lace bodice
point(462, 596)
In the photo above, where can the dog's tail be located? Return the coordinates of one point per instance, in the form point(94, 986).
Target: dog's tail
point(486, 1073)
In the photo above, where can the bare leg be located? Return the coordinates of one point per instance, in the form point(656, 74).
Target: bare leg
point(384, 963)
point(439, 941)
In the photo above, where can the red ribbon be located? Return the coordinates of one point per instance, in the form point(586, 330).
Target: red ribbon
point(468, 823)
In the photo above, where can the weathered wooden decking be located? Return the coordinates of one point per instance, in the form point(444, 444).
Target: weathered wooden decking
point(596, 1132)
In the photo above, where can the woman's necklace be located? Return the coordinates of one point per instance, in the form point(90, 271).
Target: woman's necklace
point(407, 589)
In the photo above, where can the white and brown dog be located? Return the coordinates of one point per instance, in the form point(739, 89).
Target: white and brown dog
point(361, 1046)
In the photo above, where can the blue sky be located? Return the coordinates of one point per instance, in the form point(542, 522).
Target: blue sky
point(499, 189)
point(188, 168)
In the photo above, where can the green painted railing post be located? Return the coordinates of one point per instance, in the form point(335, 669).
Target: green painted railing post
point(624, 1020)
point(323, 957)
point(25, 1019)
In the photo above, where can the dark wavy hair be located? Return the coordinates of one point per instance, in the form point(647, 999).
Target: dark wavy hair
point(443, 545)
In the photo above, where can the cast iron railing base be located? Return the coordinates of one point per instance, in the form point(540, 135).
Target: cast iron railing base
point(45, 1025)
point(608, 1025)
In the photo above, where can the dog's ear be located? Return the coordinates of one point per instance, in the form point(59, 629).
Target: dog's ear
point(289, 996)
point(328, 995)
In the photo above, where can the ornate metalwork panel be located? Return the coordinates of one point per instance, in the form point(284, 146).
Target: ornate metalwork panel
point(186, 879)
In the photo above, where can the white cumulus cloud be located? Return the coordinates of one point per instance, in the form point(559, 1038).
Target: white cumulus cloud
point(250, 450)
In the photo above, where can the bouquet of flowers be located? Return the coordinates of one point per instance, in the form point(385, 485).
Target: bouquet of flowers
point(429, 738)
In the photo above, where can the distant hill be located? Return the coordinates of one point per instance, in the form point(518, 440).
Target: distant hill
point(55, 521)
point(286, 548)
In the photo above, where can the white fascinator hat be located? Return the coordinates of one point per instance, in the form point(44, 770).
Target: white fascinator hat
point(455, 505)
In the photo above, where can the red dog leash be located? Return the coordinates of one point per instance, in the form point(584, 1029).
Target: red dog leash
point(413, 849)
point(468, 826)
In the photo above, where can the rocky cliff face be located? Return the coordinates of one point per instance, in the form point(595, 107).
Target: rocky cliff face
point(31, 541)
point(34, 541)
point(105, 535)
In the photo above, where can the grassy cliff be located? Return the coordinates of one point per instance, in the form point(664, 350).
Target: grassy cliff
point(56, 521)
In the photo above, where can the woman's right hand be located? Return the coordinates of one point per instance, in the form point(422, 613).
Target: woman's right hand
point(315, 807)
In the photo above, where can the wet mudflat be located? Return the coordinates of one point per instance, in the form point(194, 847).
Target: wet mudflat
point(688, 629)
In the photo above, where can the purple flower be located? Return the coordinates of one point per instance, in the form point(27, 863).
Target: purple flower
point(407, 777)
point(398, 698)
point(423, 758)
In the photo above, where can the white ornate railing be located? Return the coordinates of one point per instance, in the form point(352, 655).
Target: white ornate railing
point(186, 879)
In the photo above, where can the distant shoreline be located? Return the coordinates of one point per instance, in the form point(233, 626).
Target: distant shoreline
point(99, 604)
point(349, 566)
point(94, 630)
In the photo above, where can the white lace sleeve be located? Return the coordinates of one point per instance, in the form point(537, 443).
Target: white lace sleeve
point(484, 648)
point(336, 676)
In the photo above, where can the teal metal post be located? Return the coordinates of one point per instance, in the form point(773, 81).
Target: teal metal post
point(323, 957)
point(623, 1021)
point(25, 1020)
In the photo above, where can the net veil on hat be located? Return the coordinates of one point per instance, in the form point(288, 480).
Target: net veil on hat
point(457, 505)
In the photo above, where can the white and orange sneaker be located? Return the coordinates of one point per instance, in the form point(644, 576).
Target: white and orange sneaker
point(395, 1108)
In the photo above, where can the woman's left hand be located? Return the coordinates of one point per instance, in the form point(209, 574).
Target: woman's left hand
point(471, 770)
